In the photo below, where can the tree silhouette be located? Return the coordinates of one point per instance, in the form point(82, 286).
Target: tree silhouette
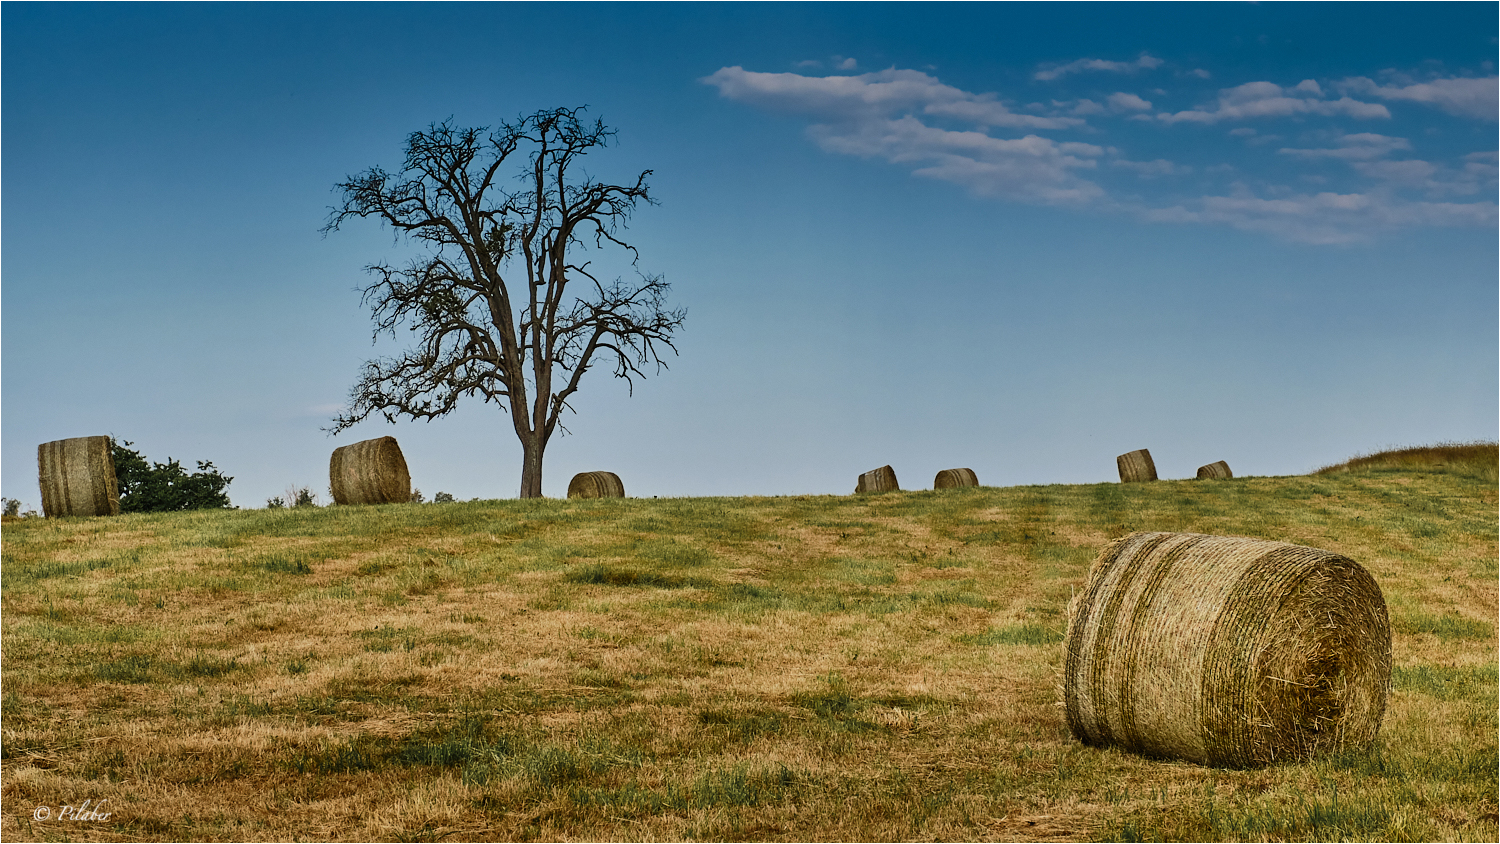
point(505, 307)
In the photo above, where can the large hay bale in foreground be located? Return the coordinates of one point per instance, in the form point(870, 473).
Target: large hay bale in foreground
point(1214, 471)
point(1226, 651)
point(77, 477)
point(1136, 466)
point(877, 480)
point(596, 485)
point(950, 478)
point(369, 472)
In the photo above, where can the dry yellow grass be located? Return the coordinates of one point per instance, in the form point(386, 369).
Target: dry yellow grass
point(745, 668)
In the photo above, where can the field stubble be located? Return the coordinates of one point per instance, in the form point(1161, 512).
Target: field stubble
point(811, 668)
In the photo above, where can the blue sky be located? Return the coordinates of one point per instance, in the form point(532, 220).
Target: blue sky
point(1018, 238)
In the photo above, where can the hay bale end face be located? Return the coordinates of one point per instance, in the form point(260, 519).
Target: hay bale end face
point(877, 480)
point(77, 477)
point(1226, 651)
point(1136, 466)
point(951, 478)
point(1214, 471)
point(369, 472)
point(596, 485)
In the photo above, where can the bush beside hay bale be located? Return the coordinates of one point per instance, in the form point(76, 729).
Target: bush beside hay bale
point(77, 477)
point(369, 472)
point(1136, 466)
point(596, 485)
point(877, 480)
point(1226, 651)
point(1214, 471)
point(951, 478)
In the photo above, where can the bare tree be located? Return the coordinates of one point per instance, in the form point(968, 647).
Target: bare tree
point(504, 307)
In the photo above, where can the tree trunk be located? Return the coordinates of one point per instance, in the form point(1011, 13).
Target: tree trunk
point(531, 467)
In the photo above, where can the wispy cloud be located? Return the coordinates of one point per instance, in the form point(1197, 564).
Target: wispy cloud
point(1048, 73)
point(1360, 146)
point(1324, 218)
point(1368, 154)
point(1152, 169)
point(1128, 102)
point(910, 118)
point(881, 94)
point(881, 115)
point(1267, 99)
point(1119, 103)
point(1466, 97)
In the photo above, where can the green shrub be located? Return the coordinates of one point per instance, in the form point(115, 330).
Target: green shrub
point(147, 487)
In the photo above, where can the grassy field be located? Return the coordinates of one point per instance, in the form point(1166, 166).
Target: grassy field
point(819, 667)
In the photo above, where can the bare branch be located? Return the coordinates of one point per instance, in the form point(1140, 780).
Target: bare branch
point(472, 335)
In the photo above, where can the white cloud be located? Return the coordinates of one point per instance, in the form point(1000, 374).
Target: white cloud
point(845, 63)
point(907, 118)
point(1200, 73)
point(884, 93)
point(1267, 99)
point(1356, 147)
point(1435, 180)
point(1031, 168)
point(1128, 102)
point(1152, 169)
point(1326, 217)
point(1367, 153)
point(1411, 172)
point(881, 115)
point(1145, 62)
point(1466, 97)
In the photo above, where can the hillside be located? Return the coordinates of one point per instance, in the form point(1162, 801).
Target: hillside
point(811, 667)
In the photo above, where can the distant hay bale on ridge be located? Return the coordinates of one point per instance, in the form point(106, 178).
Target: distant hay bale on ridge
point(877, 480)
point(951, 478)
point(1136, 466)
point(77, 477)
point(369, 472)
point(596, 485)
point(1226, 651)
point(1214, 471)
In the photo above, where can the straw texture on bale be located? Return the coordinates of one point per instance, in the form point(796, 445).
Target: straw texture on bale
point(949, 478)
point(877, 480)
point(1214, 471)
point(596, 485)
point(369, 472)
point(1226, 651)
point(1136, 466)
point(77, 477)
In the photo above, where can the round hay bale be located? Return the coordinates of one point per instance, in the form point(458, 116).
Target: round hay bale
point(877, 480)
point(369, 472)
point(1214, 471)
point(77, 477)
point(950, 478)
point(596, 485)
point(1226, 651)
point(1136, 466)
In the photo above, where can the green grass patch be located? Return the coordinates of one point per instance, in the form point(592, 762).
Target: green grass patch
point(602, 575)
point(1449, 627)
point(1016, 634)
